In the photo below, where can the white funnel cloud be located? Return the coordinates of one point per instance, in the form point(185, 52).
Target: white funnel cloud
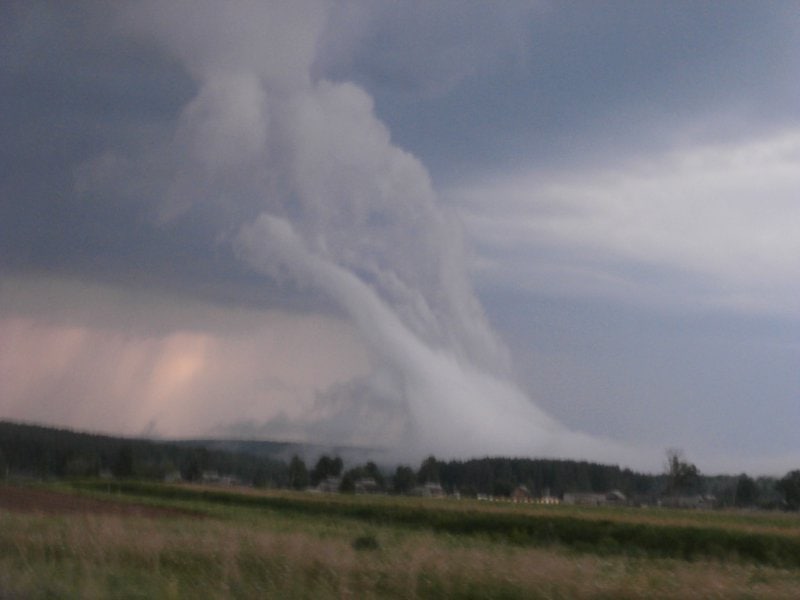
point(455, 408)
point(333, 204)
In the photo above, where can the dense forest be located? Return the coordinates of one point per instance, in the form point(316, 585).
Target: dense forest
point(45, 452)
point(31, 451)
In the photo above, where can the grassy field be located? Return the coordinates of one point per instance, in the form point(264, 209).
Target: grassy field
point(98, 540)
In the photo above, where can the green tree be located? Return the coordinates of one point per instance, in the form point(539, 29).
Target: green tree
point(298, 473)
point(348, 484)
point(682, 476)
point(404, 480)
point(746, 491)
point(502, 488)
point(83, 465)
point(123, 462)
point(326, 467)
point(372, 470)
point(428, 471)
point(194, 464)
point(3, 466)
point(260, 477)
point(789, 487)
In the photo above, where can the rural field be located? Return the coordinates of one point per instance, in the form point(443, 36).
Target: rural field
point(143, 540)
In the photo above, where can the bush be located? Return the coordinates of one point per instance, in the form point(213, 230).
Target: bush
point(366, 542)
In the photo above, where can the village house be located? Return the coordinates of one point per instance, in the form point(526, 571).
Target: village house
point(521, 494)
point(429, 490)
point(329, 485)
point(214, 478)
point(367, 485)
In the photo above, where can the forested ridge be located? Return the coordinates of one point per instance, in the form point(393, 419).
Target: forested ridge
point(46, 452)
point(38, 452)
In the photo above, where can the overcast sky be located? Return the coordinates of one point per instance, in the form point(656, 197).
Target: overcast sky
point(468, 228)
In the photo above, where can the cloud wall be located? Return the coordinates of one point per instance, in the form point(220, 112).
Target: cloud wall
point(454, 408)
point(304, 180)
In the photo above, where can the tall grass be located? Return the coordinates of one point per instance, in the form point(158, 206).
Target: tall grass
point(131, 557)
point(600, 535)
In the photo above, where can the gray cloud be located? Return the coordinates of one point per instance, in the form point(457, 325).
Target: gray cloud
point(597, 81)
point(340, 205)
point(539, 86)
point(454, 405)
point(343, 213)
point(722, 386)
point(704, 227)
point(422, 49)
point(140, 137)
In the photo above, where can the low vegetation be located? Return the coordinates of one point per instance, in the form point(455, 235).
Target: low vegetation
point(609, 531)
point(87, 516)
point(244, 544)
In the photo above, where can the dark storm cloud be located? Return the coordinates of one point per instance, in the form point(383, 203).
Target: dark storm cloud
point(463, 85)
point(70, 96)
point(80, 90)
point(579, 78)
point(157, 194)
point(569, 138)
point(422, 49)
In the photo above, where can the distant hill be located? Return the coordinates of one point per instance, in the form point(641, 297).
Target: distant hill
point(44, 452)
point(41, 452)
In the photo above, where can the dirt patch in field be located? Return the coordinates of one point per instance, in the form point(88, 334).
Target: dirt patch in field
point(37, 500)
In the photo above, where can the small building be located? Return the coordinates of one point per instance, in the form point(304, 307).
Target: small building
point(367, 485)
point(616, 498)
point(329, 485)
point(429, 490)
point(210, 477)
point(521, 494)
point(215, 478)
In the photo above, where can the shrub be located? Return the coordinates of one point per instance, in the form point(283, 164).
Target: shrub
point(366, 542)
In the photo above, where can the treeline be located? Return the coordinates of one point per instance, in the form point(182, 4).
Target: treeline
point(500, 477)
point(486, 476)
point(45, 452)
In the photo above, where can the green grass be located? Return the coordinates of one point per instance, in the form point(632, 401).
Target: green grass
point(602, 532)
point(295, 545)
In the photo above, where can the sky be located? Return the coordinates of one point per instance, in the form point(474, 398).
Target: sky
point(562, 229)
